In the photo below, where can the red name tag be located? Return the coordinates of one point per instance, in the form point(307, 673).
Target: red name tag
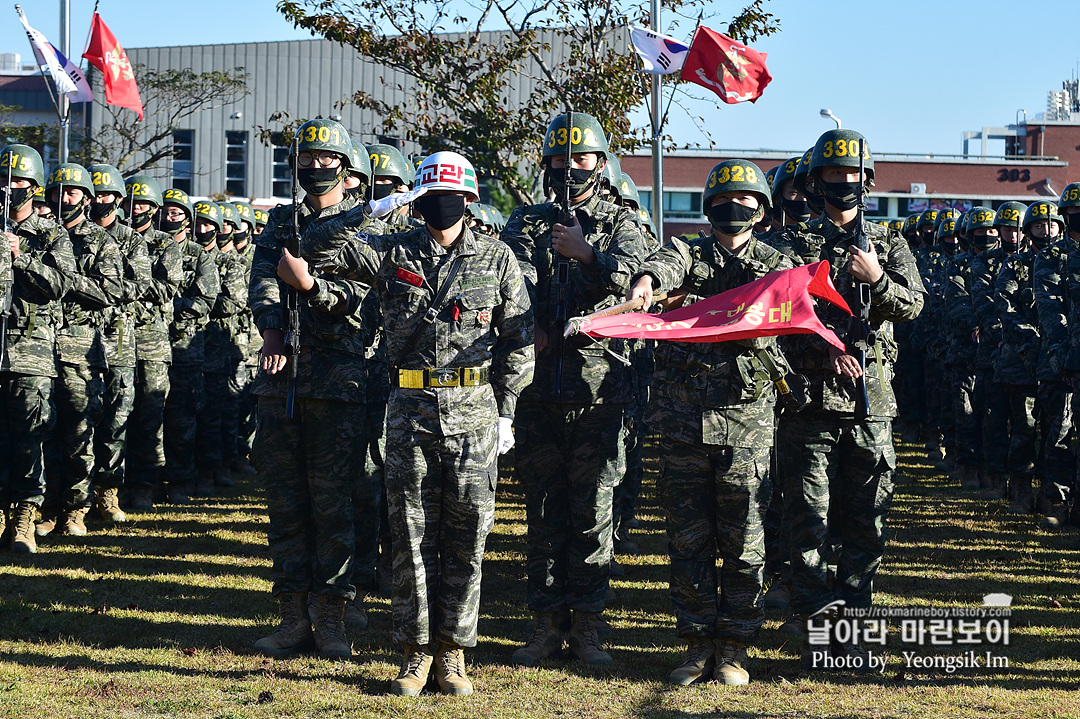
point(411, 277)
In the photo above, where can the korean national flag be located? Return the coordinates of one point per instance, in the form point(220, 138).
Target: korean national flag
point(660, 54)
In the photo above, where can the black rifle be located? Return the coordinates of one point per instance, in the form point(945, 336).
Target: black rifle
point(7, 284)
point(292, 299)
point(562, 264)
point(861, 337)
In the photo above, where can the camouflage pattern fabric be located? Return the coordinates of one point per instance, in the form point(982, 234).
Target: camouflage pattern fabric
point(961, 322)
point(145, 455)
point(26, 419)
point(994, 397)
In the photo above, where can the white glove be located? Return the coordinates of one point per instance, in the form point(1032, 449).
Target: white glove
point(506, 434)
point(390, 203)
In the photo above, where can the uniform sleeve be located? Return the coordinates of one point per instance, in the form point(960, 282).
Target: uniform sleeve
point(166, 274)
point(102, 284)
point(983, 301)
point(1050, 302)
point(203, 292)
point(669, 266)
point(958, 306)
point(336, 298)
point(136, 271)
point(512, 355)
point(899, 296)
point(616, 263)
point(337, 248)
point(1014, 326)
point(232, 299)
point(521, 242)
point(45, 275)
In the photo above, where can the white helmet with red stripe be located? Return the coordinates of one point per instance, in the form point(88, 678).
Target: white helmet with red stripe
point(448, 171)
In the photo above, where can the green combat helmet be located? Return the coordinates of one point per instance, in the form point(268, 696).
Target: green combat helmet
point(981, 218)
point(361, 166)
point(244, 213)
point(229, 215)
point(323, 136)
point(613, 177)
point(208, 211)
point(733, 176)
point(173, 196)
point(897, 225)
point(1043, 210)
point(107, 178)
point(69, 174)
point(1010, 214)
point(1070, 196)
point(927, 219)
point(946, 228)
point(770, 174)
point(387, 161)
point(586, 135)
point(481, 216)
point(141, 188)
point(22, 162)
point(841, 148)
point(628, 192)
point(911, 224)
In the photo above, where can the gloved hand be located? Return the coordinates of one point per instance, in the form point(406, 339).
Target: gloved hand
point(393, 201)
point(506, 434)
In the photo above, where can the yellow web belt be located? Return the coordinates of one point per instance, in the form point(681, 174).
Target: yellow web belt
point(442, 377)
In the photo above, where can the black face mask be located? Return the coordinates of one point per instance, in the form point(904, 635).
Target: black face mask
point(580, 180)
point(240, 238)
point(985, 243)
point(798, 210)
point(841, 195)
point(1010, 246)
point(816, 203)
point(19, 196)
point(950, 245)
point(223, 239)
point(101, 210)
point(172, 227)
point(1073, 221)
point(384, 190)
point(205, 238)
point(319, 180)
point(356, 193)
point(731, 218)
point(441, 211)
point(68, 213)
point(143, 218)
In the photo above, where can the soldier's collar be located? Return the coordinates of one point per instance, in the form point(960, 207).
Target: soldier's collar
point(464, 245)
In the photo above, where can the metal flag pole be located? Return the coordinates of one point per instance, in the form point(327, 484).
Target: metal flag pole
point(44, 75)
point(65, 104)
point(657, 140)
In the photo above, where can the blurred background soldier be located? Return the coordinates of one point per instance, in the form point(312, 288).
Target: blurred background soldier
point(241, 430)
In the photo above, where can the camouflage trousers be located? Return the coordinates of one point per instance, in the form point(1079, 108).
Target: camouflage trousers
point(146, 444)
point(248, 412)
point(932, 378)
point(214, 417)
point(69, 469)
point(777, 535)
point(310, 464)
point(946, 381)
point(441, 498)
point(187, 393)
point(628, 490)
point(1057, 457)
point(569, 459)
point(843, 476)
point(231, 414)
point(372, 522)
point(1023, 451)
point(994, 399)
point(967, 416)
point(111, 434)
point(910, 374)
point(714, 500)
point(26, 418)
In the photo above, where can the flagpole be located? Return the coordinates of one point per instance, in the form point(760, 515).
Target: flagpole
point(65, 104)
point(657, 142)
point(44, 77)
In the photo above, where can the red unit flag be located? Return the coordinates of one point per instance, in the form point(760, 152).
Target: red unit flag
point(735, 72)
point(105, 53)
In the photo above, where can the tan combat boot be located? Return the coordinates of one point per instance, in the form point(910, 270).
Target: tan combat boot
point(546, 640)
point(108, 506)
point(72, 524)
point(355, 615)
point(699, 662)
point(293, 633)
point(1023, 500)
point(22, 528)
point(731, 663)
point(584, 642)
point(450, 671)
point(328, 618)
point(204, 485)
point(47, 524)
point(415, 667)
point(998, 487)
point(777, 598)
point(5, 536)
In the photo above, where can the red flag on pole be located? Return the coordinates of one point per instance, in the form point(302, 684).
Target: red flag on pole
point(777, 304)
point(105, 53)
point(732, 70)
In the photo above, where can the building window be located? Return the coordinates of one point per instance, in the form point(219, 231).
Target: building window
point(183, 155)
point(282, 173)
point(236, 148)
point(676, 204)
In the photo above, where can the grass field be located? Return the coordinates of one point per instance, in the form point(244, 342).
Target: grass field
point(157, 617)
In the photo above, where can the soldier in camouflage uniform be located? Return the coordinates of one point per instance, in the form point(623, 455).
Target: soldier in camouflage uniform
point(237, 449)
point(910, 384)
point(993, 395)
point(1055, 393)
point(98, 285)
point(110, 435)
point(197, 295)
point(714, 479)
point(1019, 362)
point(1069, 207)
point(145, 452)
point(790, 207)
point(945, 231)
point(391, 172)
point(841, 465)
point(37, 267)
point(571, 451)
point(311, 461)
point(924, 331)
point(461, 359)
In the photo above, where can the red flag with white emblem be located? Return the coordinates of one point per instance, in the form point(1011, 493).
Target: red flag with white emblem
point(106, 54)
point(733, 71)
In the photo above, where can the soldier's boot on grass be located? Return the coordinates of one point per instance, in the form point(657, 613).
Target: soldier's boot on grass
point(204, 485)
point(178, 494)
point(222, 478)
point(777, 599)
point(699, 662)
point(969, 477)
point(449, 667)
point(328, 618)
point(583, 640)
point(546, 641)
point(1022, 499)
point(731, 663)
point(108, 505)
point(73, 522)
point(242, 465)
point(293, 633)
point(355, 615)
point(142, 498)
point(998, 487)
point(413, 675)
point(22, 528)
point(1055, 517)
point(47, 525)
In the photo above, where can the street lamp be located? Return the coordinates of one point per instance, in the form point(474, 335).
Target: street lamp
point(1018, 116)
point(826, 112)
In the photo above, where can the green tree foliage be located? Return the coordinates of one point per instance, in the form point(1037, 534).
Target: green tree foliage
point(465, 60)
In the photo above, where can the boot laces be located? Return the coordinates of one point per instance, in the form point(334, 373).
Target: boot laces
point(453, 660)
point(589, 634)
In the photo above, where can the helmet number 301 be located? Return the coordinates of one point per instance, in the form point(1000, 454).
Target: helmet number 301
point(321, 134)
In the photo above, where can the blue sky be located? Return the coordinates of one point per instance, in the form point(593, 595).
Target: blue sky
point(911, 75)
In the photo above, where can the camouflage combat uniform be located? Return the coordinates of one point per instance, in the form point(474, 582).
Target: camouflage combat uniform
point(119, 398)
point(311, 462)
point(42, 274)
point(570, 453)
point(441, 442)
point(713, 408)
point(250, 342)
point(191, 306)
point(960, 322)
point(154, 312)
point(834, 456)
point(990, 394)
point(98, 284)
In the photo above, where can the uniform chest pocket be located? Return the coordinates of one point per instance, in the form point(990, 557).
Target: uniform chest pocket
point(402, 302)
point(476, 304)
point(741, 379)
